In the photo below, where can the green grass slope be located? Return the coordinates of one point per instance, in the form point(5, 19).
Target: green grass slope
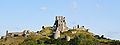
point(45, 37)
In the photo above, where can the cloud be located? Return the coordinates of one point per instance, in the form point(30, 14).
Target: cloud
point(43, 8)
point(74, 6)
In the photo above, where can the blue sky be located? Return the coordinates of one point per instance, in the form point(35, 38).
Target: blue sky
point(100, 16)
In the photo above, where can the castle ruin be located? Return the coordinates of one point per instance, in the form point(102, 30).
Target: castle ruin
point(60, 24)
point(25, 33)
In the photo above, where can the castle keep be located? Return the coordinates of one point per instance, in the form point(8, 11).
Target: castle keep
point(60, 24)
point(60, 27)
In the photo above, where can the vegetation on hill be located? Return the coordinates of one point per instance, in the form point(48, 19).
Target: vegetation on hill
point(45, 37)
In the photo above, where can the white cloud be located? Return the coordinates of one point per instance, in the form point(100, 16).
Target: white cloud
point(74, 6)
point(43, 8)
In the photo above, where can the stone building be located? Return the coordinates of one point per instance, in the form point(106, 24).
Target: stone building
point(67, 38)
point(60, 23)
point(82, 28)
point(57, 34)
point(77, 27)
point(6, 33)
point(15, 34)
point(59, 26)
point(73, 32)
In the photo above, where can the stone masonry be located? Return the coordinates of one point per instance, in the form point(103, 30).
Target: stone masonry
point(60, 24)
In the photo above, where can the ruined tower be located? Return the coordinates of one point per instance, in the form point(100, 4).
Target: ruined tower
point(6, 33)
point(60, 24)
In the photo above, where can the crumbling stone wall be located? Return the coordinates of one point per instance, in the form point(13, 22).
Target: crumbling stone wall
point(60, 23)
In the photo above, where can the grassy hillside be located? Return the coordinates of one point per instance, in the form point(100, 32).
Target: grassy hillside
point(45, 37)
point(11, 41)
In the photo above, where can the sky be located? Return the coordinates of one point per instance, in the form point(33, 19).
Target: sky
point(102, 17)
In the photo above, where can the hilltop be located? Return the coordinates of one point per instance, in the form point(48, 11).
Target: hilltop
point(58, 34)
point(81, 37)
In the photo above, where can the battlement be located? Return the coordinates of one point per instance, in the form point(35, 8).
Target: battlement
point(60, 18)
